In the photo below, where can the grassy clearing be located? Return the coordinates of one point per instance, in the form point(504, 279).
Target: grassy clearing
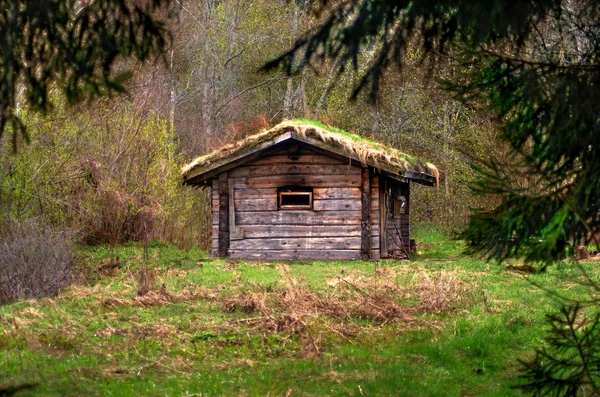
point(443, 324)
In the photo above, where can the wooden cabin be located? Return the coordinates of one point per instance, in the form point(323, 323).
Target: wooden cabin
point(305, 191)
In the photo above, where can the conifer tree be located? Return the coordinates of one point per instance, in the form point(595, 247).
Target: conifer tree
point(76, 46)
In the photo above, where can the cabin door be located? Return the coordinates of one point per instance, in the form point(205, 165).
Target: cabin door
point(395, 226)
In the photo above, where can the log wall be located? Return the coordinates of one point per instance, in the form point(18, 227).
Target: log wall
point(332, 230)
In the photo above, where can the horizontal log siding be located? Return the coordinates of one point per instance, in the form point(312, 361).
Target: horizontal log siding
point(375, 254)
point(331, 231)
point(214, 236)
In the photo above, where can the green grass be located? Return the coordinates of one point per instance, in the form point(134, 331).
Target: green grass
point(94, 339)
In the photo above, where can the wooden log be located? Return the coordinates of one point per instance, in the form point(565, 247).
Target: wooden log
point(270, 204)
point(337, 205)
point(223, 215)
point(297, 180)
point(260, 193)
point(382, 223)
point(365, 245)
point(375, 254)
point(298, 218)
point(262, 204)
point(293, 169)
point(214, 189)
point(281, 231)
point(324, 193)
point(297, 254)
point(297, 243)
point(374, 214)
point(407, 213)
point(235, 233)
point(301, 159)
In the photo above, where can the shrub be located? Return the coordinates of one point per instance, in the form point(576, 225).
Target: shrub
point(35, 260)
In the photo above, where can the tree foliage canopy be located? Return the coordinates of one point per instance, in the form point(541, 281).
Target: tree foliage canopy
point(535, 64)
point(71, 45)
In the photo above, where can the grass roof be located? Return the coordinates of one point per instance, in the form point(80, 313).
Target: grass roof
point(366, 151)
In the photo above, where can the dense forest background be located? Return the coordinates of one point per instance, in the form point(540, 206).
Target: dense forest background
point(109, 171)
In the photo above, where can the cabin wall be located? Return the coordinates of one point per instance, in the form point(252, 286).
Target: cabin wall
point(375, 226)
point(332, 230)
point(214, 194)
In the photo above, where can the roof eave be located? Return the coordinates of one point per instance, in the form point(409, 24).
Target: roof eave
point(202, 176)
point(421, 178)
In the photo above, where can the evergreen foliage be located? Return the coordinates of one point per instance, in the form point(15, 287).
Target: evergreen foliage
point(569, 365)
point(535, 64)
point(74, 45)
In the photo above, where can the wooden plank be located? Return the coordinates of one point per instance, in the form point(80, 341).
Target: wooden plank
point(297, 243)
point(293, 169)
point(298, 180)
point(223, 215)
point(374, 214)
point(365, 245)
point(407, 213)
point(298, 218)
point(323, 193)
point(382, 223)
point(337, 205)
point(375, 254)
point(374, 183)
point(256, 193)
point(309, 158)
point(235, 233)
point(297, 254)
point(214, 191)
point(301, 231)
point(247, 205)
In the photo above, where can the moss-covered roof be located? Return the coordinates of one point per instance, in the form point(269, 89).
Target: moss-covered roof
point(353, 146)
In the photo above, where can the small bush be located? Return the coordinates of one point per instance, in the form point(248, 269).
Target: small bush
point(35, 260)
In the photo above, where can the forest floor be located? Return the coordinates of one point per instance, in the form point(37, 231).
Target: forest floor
point(441, 324)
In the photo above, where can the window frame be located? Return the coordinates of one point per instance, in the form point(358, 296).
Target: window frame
point(298, 191)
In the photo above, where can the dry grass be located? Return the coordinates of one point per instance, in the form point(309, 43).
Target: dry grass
point(440, 292)
point(367, 152)
point(378, 299)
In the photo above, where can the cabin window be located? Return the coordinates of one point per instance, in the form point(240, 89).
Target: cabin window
point(295, 198)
